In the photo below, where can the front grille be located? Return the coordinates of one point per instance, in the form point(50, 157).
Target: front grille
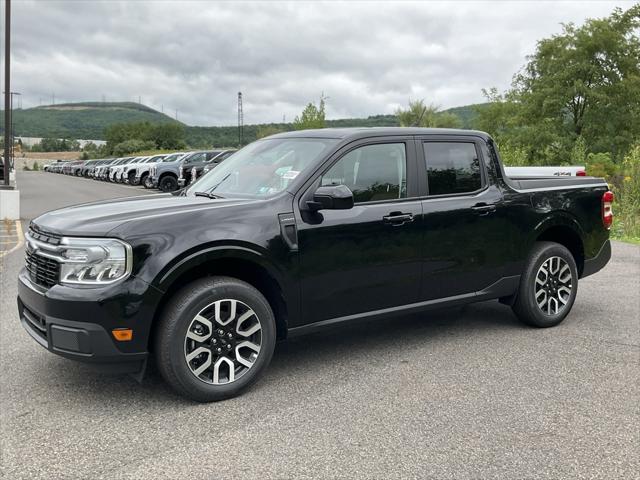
point(42, 236)
point(43, 271)
point(36, 321)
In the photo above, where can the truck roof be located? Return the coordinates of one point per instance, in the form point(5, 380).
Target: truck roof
point(359, 132)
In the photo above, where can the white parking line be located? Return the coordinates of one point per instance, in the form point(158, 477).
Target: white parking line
point(20, 240)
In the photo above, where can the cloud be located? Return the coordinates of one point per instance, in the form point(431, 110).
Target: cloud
point(194, 57)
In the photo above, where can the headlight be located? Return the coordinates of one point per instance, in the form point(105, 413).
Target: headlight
point(87, 261)
point(93, 261)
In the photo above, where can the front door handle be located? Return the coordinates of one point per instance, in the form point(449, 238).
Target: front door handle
point(397, 218)
point(484, 208)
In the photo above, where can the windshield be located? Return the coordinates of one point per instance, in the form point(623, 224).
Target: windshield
point(263, 168)
point(172, 158)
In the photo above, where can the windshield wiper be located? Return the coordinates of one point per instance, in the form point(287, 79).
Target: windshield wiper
point(208, 195)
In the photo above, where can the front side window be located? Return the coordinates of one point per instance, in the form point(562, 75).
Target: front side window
point(452, 167)
point(196, 158)
point(372, 173)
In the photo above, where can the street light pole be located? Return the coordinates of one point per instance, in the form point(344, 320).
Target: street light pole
point(7, 90)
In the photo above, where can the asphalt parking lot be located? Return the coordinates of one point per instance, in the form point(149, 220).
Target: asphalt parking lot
point(461, 393)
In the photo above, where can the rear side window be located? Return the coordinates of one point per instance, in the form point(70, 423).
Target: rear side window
point(372, 173)
point(452, 167)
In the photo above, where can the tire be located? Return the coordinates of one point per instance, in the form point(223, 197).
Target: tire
point(146, 181)
point(195, 377)
point(131, 178)
point(545, 282)
point(168, 183)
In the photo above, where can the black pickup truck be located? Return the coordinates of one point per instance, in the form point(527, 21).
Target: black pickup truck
point(299, 231)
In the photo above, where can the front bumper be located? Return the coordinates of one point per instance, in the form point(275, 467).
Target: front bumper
point(59, 323)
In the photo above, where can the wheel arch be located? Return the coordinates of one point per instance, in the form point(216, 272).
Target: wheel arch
point(565, 230)
point(236, 262)
point(168, 173)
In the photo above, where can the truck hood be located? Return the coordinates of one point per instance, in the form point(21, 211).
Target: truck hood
point(99, 218)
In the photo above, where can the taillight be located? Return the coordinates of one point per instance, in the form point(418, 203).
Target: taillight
point(607, 210)
point(581, 173)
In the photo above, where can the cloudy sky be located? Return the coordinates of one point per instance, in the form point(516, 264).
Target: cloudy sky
point(367, 57)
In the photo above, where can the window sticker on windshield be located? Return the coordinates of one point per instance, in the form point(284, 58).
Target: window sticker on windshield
point(291, 174)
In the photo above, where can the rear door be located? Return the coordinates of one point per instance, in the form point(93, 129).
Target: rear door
point(463, 230)
point(366, 258)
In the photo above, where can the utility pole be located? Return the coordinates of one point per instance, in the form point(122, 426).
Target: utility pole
point(53, 99)
point(176, 114)
point(12, 136)
point(139, 100)
point(240, 121)
point(7, 90)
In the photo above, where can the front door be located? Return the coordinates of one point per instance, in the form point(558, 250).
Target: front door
point(366, 258)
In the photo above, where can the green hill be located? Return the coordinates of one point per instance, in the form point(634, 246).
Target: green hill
point(203, 137)
point(226, 136)
point(88, 120)
point(81, 120)
point(467, 113)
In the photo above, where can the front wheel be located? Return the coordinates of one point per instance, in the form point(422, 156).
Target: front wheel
point(548, 286)
point(146, 181)
point(215, 339)
point(168, 183)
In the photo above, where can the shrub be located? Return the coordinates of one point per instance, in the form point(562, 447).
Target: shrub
point(131, 146)
point(626, 207)
point(513, 156)
point(601, 165)
point(35, 167)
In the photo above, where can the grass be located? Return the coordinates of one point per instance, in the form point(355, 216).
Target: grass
point(631, 240)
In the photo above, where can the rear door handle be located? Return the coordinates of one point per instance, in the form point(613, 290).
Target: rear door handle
point(483, 208)
point(397, 218)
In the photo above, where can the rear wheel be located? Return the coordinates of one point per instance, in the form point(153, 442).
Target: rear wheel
point(168, 183)
point(131, 177)
point(215, 339)
point(548, 286)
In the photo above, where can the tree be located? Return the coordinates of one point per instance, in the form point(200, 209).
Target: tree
point(421, 115)
point(579, 152)
point(312, 116)
point(266, 130)
point(132, 146)
point(166, 136)
point(499, 117)
point(584, 82)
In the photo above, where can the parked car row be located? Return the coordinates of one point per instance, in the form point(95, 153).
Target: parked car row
point(167, 172)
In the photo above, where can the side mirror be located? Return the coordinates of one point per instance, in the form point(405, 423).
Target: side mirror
point(331, 197)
